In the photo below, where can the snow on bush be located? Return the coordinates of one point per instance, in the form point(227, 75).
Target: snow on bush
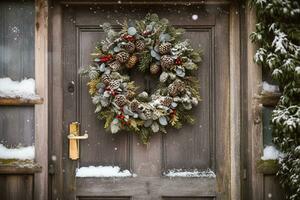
point(21, 153)
point(102, 171)
point(190, 173)
point(271, 153)
point(14, 89)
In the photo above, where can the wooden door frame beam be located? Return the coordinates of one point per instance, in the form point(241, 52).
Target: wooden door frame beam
point(41, 110)
point(235, 96)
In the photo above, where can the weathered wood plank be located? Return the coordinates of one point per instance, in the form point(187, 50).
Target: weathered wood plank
point(19, 101)
point(272, 189)
point(19, 167)
point(146, 186)
point(41, 111)
point(142, 2)
point(269, 98)
point(16, 187)
point(56, 101)
point(269, 167)
point(235, 96)
point(254, 137)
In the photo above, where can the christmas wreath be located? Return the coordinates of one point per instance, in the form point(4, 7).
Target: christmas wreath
point(152, 46)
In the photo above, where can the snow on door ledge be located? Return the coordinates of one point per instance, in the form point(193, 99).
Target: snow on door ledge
point(271, 153)
point(103, 171)
point(190, 173)
point(24, 89)
point(21, 153)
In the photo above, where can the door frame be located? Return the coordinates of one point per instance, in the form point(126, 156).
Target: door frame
point(56, 130)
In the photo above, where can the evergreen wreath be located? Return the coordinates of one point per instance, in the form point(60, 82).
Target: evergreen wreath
point(152, 46)
point(278, 35)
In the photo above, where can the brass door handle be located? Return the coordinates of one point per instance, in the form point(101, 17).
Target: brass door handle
point(75, 137)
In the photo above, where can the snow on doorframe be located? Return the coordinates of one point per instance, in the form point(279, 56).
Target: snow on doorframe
point(17, 89)
point(21, 153)
point(102, 171)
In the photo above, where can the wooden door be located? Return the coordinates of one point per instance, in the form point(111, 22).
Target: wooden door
point(202, 146)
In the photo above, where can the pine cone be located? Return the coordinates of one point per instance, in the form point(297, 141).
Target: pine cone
point(120, 100)
point(166, 61)
point(172, 90)
point(134, 105)
point(131, 61)
point(130, 94)
point(148, 113)
point(122, 57)
point(166, 101)
point(106, 79)
point(165, 48)
point(154, 69)
point(139, 45)
point(114, 84)
point(130, 47)
point(179, 85)
point(115, 65)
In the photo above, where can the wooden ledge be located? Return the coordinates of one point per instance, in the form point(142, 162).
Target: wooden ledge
point(268, 167)
point(269, 98)
point(19, 101)
point(12, 166)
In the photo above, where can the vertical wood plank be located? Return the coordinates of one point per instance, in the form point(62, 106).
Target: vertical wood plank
point(41, 111)
point(234, 42)
point(16, 187)
point(255, 139)
point(56, 101)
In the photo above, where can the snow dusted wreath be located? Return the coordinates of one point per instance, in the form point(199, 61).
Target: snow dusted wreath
point(152, 46)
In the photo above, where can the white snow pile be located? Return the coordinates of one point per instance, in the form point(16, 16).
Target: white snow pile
point(190, 173)
point(102, 171)
point(14, 89)
point(266, 87)
point(271, 153)
point(21, 153)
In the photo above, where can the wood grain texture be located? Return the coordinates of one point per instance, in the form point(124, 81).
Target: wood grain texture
point(41, 111)
point(15, 187)
point(255, 139)
point(269, 98)
point(272, 189)
point(56, 102)
point(19, 167)
point(235, 103)
point(19, 101)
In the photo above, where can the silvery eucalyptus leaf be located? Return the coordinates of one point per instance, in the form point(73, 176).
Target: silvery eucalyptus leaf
point(163, 121)
point(131, 31)
point(102, 67)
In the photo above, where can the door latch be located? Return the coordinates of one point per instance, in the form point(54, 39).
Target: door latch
point(74, 137)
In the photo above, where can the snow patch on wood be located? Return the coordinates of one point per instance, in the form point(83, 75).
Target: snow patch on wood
point(102, 171)
point(14, 89)
point(271, 153)
point(21, 153)
point(190, 173)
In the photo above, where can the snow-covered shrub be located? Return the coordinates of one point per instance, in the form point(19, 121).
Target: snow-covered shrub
point(278, 35)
